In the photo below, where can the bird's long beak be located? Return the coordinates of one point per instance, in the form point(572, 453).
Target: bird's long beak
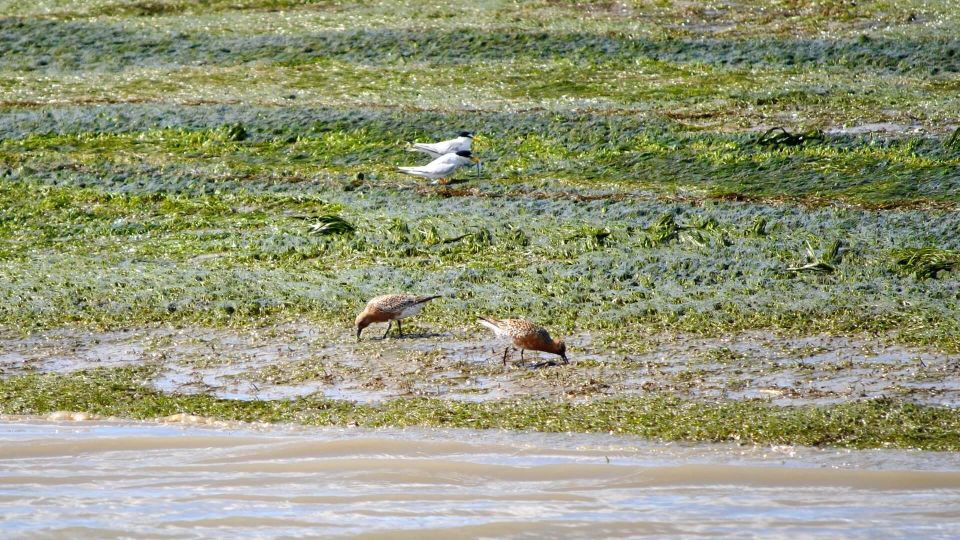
point(565, 361)
point(358, 332)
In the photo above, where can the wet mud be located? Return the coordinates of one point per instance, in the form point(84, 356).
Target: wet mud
point(289, 361)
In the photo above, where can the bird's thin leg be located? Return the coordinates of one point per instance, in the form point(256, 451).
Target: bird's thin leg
point(389, 324)
point(521, 355)
point(399, 328)
point(505, 351)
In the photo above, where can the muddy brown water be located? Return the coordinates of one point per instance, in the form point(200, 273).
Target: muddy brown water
point(112, 479)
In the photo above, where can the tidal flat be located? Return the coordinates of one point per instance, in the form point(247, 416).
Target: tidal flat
point(183, 229)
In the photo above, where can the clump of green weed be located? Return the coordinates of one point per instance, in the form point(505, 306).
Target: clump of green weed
point(516, 236)
point(663, 230)
point(701, 233)
point(779, 137)
point(479, 240)
point(825, 263)
point(758, 227)
point(236, 132)
point(953, 142)
point(925, 262)
point(594, 237)
point(331, 224)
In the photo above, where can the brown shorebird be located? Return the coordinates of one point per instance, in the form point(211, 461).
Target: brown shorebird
point(389, 308)
point(525, 335)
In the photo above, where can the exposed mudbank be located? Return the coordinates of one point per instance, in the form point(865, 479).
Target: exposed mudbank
point(293, 361)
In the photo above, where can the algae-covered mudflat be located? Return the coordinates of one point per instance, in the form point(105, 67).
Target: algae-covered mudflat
point(182, 229)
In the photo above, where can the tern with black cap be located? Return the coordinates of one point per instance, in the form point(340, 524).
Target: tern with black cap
point(441, 168)
point(461, 142)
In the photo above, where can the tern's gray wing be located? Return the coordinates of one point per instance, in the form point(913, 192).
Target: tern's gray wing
point(432, 169)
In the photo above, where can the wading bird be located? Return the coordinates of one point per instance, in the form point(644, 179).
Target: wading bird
point(389, 308)
point(462, 142)
point(524, 335)
point(442, 167)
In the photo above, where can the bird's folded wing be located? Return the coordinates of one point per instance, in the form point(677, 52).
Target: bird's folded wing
point(425, 147)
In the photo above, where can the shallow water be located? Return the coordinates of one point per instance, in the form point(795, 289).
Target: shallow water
point(112, 479)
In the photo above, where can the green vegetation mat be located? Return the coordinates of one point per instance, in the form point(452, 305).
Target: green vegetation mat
point(173, 162)
point(882, 423)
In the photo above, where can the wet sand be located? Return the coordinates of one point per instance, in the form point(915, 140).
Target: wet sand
point(105, 479)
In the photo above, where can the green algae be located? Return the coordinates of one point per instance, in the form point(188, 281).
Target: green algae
point(729, 67)
point(104, 258)
point(613, 151)
point(869, 424)
point(178, 162)
point(925, 262)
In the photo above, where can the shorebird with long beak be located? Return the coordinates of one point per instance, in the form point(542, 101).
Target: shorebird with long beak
point(524, 335)
point(443, 166)
point(462, 141)
point(389, 308)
